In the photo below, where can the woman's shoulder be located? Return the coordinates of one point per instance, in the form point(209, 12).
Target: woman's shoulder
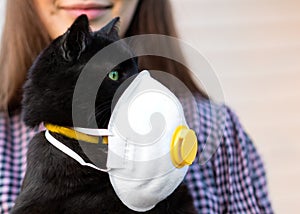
point(10, 117)
point(205, 115)
point(230, 166)
point(215, 124)
point(13, 130)
point(221, 118)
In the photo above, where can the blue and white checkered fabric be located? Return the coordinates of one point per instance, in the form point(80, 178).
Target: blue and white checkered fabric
point(227, 176)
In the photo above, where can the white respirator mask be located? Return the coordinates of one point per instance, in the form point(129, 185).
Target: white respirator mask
point(149, 144)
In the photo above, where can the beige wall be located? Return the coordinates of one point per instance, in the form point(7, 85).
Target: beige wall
point(2, 13)
point(254, 47)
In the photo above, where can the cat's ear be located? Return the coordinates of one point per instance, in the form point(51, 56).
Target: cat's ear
point(75, 40)
point(111, 30)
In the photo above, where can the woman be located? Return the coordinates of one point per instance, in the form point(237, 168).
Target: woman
point(231, 181)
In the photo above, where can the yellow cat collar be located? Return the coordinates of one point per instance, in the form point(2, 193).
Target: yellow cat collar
point(70, 133)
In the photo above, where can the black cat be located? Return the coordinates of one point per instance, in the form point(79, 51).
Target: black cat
point(54, 182)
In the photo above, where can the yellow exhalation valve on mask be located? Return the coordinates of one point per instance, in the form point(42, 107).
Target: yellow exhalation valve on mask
point(184, 146)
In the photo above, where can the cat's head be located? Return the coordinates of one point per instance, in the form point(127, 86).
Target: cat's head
point(48, 92)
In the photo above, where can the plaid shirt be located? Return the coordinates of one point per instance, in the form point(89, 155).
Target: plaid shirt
point(227, 176)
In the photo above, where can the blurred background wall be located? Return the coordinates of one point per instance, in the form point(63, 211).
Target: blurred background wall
point(2, 8)
point(254, 48)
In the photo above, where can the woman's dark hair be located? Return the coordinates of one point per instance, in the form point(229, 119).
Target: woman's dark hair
point(24, 36)
point(155, 17)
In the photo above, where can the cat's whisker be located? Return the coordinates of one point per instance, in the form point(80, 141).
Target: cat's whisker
point(104, 103)
point(102, 114)
point(103, 111)
point(107, 120)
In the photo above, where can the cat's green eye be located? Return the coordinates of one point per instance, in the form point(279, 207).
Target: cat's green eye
point(113, 75)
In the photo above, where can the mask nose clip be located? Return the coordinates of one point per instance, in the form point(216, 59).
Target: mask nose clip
point(184, 146)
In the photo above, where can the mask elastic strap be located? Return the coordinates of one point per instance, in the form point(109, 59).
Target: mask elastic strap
point(70, 152)
point(94, 132)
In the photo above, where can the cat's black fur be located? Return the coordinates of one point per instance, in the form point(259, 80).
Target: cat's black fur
point(54, 182)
